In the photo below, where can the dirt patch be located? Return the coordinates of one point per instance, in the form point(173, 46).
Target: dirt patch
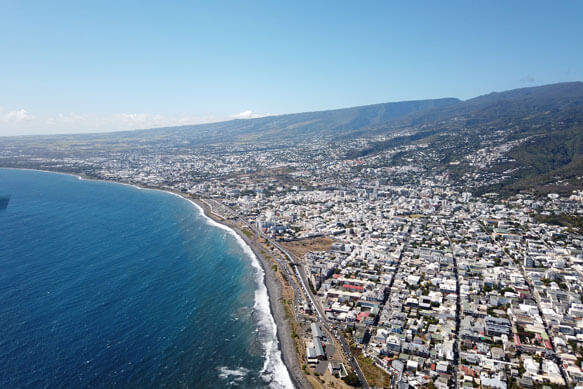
point(374, 374)
point(301, 247)
point(327, 380)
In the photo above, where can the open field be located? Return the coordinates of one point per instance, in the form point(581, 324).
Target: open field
point(301, 247)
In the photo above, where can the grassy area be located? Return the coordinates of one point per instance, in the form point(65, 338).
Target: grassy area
point(247, 233)
point(374, 374)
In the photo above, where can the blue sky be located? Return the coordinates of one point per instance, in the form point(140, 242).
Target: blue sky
point(83, 66)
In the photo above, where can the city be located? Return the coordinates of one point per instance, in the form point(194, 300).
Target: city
point(291, 195)
point(393, 265)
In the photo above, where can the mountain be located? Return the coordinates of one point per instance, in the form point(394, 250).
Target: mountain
point(512, 104)
point(541, 126)
point(332, 124)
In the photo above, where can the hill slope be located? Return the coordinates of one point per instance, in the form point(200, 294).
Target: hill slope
point(542, 127)
point(332, 124)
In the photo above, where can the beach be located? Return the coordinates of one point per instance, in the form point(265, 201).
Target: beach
point(273, 285)
point(287, 346)
point(274, 290)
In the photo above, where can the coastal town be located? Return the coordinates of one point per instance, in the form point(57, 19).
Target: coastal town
point(291, 194)
point(395, 275)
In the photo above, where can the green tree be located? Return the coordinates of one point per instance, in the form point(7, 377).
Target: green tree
point(352, 379)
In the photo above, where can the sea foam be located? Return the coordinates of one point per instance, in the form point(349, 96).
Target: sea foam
point(274, 371)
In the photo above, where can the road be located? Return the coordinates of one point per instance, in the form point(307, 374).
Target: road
point(301, 276)
point(324, 322)
point(456, 354)
point(387, 297)
point(558, 359)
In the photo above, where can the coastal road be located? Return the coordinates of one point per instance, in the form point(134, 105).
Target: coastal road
point(300, 273)
point(324, 322)
point(320, 311)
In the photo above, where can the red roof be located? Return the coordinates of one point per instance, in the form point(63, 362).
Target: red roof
point(468, 371)
point(362, 315)
point(548, 345)
point(516, 340)
point(336, 275)
point(353, 287)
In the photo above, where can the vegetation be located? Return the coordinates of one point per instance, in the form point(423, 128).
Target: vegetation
point(374, 374)
point(574, 222)
point(352, 379)
point(391, 143)
point(312, 289)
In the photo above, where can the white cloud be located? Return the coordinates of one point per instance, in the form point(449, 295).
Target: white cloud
point(20, 115)
point(22, 123)
point(147, 120)
point(248, 114)
point(138, 119)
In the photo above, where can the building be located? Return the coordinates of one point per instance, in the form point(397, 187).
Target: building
point(495, 326)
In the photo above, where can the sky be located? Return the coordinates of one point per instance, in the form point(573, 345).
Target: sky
point(89, 66)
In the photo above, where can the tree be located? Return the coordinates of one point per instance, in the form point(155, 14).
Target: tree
point(352, 379)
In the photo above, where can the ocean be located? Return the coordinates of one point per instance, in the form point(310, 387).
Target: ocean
point(109, 285)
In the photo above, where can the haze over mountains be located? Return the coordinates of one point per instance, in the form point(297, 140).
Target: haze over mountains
point(333, 124)
point(497, 108)
point(538, 129)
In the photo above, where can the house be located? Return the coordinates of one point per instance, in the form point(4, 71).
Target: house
point(412, 365)
point(335, 367)
point(393, 344)
point(442, 367)
point(492, 381)
point(496, 326)
point(531, 366)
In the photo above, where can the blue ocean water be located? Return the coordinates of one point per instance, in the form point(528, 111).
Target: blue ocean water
point(107, 285)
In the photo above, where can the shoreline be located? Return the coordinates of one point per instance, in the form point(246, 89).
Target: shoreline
point(274, 291)
point(283, 336)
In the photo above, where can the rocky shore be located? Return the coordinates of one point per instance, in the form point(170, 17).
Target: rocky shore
point(274, 289)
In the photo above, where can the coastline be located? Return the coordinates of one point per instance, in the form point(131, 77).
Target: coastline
point(274, 291)
point(283, 333)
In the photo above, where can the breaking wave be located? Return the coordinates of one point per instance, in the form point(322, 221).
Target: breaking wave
point(274, 372)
